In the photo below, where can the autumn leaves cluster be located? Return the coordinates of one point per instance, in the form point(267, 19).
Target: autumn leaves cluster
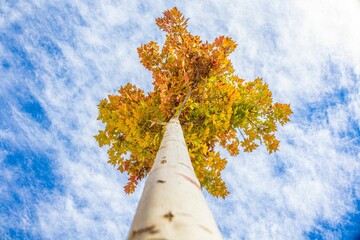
point(220, 108)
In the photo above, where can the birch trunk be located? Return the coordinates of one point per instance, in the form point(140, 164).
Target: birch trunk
point(172, 206)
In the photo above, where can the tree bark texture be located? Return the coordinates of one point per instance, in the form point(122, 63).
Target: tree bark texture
point(172, 205)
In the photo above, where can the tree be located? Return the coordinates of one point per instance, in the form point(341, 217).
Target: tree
point(194, 84)
point(172, 205)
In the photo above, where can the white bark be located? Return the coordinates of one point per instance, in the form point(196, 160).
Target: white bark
point(172, 206)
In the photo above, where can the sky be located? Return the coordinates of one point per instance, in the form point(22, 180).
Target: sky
point(58, 59)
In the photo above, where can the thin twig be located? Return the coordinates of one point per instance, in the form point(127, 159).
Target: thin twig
point(157, 122)
point(242, 134)
point(177, 115)
point(253, 124)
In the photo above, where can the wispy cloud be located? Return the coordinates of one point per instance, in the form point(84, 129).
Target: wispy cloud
point(58, 60)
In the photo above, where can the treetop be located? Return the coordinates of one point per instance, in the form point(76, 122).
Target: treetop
point(193, 81)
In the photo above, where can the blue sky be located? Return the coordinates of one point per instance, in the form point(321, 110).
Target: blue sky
point(58, 59)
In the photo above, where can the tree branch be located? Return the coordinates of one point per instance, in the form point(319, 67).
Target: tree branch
point(254, 124)
point(157, 122)
point(177, 115)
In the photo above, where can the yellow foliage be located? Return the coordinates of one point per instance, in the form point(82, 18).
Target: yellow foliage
point(222, 107)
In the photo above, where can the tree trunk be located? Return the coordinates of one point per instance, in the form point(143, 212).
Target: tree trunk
point(172, 205)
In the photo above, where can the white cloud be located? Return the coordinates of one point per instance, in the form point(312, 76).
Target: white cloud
point(290, 44)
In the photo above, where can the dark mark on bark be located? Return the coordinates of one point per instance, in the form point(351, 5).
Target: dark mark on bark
point(169, 216)
point(151, 230)
point(163, 161)
point(160, 181)
point(185, 165)
point(189, 179)
point(205, 228)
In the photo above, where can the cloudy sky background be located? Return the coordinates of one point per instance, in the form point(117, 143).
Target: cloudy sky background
point(58, 59)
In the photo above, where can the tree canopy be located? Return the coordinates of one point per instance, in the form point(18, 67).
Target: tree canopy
point(195, 82)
